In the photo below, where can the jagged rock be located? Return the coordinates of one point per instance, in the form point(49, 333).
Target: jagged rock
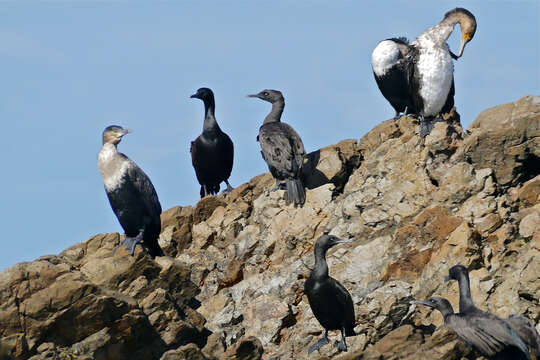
point(506, 138)
point(249, 348)
point(176, 226)
point(233, 288)
point(332, 164)
point(186, 352)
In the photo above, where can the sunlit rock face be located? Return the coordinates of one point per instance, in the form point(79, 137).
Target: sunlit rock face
point(231, 285)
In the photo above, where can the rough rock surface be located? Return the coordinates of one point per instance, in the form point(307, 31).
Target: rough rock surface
point(231, 286)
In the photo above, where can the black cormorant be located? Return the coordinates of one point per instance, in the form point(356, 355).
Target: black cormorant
point(487, 333)
point(520, 324)
point(282, 148)
point(131, 194)
point(330, 302)
point(419, 77)
point(213, 151)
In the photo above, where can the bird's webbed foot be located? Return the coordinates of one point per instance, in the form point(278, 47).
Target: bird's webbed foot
point(229, 188)
point(130, 243)
point(341, 345)
point(426, 125)
point(319, 344)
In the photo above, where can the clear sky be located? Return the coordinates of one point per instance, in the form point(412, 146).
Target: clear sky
point(70, 68)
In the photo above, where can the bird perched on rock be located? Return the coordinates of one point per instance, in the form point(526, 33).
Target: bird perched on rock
point(330, 302)
point(490, 335)
point(282, 148)
point(418, 78)
point(519, 323)
point(131, 194)
point(212, 152)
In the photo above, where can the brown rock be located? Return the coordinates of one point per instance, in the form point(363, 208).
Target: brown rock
point(413, 207)
point(205, 207)
point(249, 348)
point(506, 139)
point(332, 164)
point(529, 193)
point(176, 224)
point(489, 223)
point(186, 352)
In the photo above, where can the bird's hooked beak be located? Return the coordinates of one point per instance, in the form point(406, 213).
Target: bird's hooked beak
point(420, 302)
point(447, 279)
point(465, 38)
point(125, 132)
point(253, 96)
point(341, 241)
point(194, 96)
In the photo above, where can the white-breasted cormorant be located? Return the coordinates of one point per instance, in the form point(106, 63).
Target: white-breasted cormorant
point(419, 76)
point(519, 323)
point(330, 302)
point(492, 336)
point(131, 194)
point(212, 152)
point(282, 148)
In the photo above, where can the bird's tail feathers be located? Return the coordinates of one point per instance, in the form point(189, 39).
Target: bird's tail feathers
point(295, 191)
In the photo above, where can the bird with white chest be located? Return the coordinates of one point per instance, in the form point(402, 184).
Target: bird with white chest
point(418, 78)
point(131, 194)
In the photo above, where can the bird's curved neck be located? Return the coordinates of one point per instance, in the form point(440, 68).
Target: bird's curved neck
point(321, 267)
point(439, 33)
point(465, 299)
point(210, 124)
point(275, 113)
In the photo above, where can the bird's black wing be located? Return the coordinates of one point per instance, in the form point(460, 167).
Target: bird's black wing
point(145, 189)
point(413, 80)
point(345, 302)
point(226, 155)
point(488, 334)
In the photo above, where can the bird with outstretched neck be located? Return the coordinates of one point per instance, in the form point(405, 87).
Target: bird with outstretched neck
point(330, 302)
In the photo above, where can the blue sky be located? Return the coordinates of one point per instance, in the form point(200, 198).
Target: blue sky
point(69, 69)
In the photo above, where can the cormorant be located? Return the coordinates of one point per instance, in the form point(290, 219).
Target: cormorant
point(213, 151)
point(330, 302)
point(131, 194)
point(282, 148)
point(492, 336)
point(520, 324)
point(419, 77)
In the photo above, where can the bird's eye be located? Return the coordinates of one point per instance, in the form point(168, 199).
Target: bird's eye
point(265, 93)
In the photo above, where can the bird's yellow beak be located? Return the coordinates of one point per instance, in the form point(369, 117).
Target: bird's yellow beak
point(465, 38)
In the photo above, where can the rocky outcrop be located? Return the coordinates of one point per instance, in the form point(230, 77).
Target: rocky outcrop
point(231, 286)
